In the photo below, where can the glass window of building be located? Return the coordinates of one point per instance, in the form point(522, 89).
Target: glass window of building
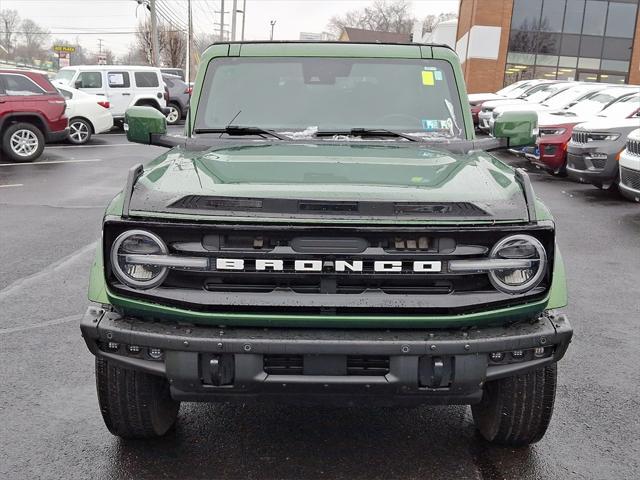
point(552, 16)
point(526, 14)
point(595, 14)
point(588, 40)
point(621, 20)
point(573, 16)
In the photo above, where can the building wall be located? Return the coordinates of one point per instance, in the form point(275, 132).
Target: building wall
point(482, 41)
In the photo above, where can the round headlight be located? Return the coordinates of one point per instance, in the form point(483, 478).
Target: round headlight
point(518, 280)
point(138, 242)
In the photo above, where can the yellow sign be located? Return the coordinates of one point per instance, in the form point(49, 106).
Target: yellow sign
point(427, 78)
point(63, 48)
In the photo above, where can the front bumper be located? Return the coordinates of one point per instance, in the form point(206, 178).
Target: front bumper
point(593, 164)
point(484, 120)
point(317, 365)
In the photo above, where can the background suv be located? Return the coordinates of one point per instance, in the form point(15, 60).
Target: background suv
point(179, 94)
point(32, 112)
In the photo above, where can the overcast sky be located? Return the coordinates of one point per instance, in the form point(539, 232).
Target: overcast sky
point(111, 17)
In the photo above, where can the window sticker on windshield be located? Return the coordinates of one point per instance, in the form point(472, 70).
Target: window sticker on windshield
point(427, 78)
point(438, 74)
point(430, 125)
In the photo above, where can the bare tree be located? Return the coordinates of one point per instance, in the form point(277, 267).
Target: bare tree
point(143, 42)
point(35, 38)
point(9, 22)
point(382, 15)
point(175, 48)
point(430, 21)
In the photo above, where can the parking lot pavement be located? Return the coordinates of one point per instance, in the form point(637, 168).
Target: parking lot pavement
point(50, 216)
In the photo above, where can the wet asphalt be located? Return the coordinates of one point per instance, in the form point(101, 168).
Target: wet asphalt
point(50, 425)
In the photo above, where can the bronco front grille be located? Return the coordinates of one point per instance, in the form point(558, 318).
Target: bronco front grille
point(630, 178)
point(335, 286)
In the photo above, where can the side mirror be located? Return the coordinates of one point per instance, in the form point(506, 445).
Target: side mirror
point(141, 123)
point(78, 84)
point(520, 129)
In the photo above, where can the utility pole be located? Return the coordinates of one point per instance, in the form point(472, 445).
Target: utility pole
point(155, 48)
point(244, 14)
point(100, 40)
point(189, 41)
point(273, 24)
point(222, 21)
point(234, 12)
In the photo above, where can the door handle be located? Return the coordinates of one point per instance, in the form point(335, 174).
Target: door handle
point(126, 94)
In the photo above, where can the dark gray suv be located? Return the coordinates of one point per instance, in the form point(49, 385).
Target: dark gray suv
point(179, 94)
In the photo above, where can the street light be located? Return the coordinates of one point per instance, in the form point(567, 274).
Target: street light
point(273, 24)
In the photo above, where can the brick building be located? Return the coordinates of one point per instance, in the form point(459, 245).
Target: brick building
point(502, 41)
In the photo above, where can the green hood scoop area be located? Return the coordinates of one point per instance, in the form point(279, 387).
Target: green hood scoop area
point(297, 181)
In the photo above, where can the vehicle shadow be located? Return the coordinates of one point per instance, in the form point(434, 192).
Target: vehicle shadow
point(271, 441)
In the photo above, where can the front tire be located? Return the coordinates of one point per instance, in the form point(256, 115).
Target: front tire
point(80, 131)
point(516, 411)
point(134, 404)
point(23, 142)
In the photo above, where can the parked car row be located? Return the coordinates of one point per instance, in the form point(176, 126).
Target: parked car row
point(80, 102)
point(583, 128)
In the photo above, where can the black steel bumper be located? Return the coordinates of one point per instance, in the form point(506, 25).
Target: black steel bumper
point(312, 365)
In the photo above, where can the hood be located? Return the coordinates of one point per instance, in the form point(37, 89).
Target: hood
point(503, 101)
point(604, 124)
point(354, 181)
point(551, 119)
point(483, 97)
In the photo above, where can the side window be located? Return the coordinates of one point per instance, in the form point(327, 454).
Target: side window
point(118, 79)
point(65, 93)
point(89, 80)
point(146, 79)
point(21, 85)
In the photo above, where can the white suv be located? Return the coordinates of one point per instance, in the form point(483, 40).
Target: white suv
point(121, 85)
point(630, 167)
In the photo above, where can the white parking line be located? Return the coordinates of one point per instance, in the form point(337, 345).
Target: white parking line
point(13, 185)
point(97, 146)
point(49, 162)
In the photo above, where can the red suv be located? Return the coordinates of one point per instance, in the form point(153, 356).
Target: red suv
point(32, 112)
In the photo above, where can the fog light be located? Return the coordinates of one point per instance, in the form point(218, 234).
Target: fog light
point(538, 352)
point(496, 356)
point(155, 353)
point(113, 346)
point(518, 354)
point(133, 349)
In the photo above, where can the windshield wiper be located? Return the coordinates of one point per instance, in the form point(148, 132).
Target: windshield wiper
point(240, 130)
point(367, 132)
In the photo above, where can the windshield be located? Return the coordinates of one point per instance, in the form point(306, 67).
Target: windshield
point(64, 76)
point(513, 88)
point(547, 92)
point(565, 97)
point(623, 108)
point(595, 103)
point(331, 94)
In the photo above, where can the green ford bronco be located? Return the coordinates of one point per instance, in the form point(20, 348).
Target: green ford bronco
point(328, 230)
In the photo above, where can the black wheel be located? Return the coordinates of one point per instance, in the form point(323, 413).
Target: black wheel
point(134, 404)
point(516, 411)
point(23, 142)
point(174, 114)
point(80, 131)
